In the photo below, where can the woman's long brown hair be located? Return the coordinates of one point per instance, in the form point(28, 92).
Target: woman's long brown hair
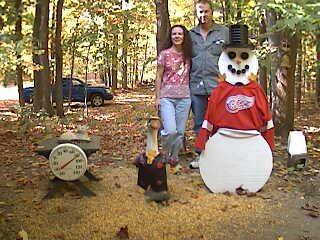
point(186, 45)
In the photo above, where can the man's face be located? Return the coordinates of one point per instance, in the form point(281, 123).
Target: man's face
point(204, 13)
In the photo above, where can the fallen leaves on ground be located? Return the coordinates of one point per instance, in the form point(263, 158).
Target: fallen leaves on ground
point(120, 206)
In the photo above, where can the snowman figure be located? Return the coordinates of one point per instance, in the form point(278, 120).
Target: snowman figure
point(237, 135)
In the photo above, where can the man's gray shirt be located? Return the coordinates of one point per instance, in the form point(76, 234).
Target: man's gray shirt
point(204, 60)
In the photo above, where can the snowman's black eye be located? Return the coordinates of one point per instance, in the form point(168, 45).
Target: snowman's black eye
point(244, 55)
point(232, 55)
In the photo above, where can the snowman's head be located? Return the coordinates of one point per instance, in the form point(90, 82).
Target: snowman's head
point(238, 65)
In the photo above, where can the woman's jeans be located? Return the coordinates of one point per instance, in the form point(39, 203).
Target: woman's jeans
point(174, 114)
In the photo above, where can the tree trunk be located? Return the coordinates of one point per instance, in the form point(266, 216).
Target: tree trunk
point(276, 88)
point(86, 113)
point(293, 46)
point(263, 77)
point(106, 65)
point(125, 52)
point(1, 23)
point(136, 72)
point(37, 94)
point(318, 71)
point(73, 56)
point(109, 73)
point(239, 11)
point(283, 86)
point(115, 63)
point(144, 62)
point(52, 50)
point(59, 60)
point(130, 68)
point(228, 10)
point(223, 10)
point(44, 57)
point(18, 33)
point(304, 74)
point(163, 23)
point(135, 62)
point(299, 77)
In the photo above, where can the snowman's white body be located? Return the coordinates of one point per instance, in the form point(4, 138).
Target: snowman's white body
point(235, 158)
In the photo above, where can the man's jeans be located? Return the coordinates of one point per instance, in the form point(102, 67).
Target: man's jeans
point(174, 114)
point(199, 107)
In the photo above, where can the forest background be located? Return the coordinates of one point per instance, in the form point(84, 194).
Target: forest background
point(117, 41)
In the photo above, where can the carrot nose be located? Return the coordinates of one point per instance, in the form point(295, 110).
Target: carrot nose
point(238, 62)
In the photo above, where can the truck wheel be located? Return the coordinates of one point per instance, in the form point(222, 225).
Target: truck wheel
point(97, 100)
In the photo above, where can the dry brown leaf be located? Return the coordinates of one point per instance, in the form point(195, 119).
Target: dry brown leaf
point(23, 235)
point(123, 233)
point(314, 214)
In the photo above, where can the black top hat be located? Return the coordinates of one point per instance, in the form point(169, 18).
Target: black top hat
point(238, 37)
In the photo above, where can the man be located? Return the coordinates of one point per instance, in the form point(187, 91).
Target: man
point(208, 39)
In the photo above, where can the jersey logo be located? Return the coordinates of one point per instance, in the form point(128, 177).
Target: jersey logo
point(237, 103)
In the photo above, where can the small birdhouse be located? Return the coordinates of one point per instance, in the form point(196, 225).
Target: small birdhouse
point(297, 150)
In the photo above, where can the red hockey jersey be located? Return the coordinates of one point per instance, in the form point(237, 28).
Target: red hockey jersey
point(237, 107)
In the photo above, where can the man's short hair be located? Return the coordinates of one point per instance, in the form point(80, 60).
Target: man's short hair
point(205, 2)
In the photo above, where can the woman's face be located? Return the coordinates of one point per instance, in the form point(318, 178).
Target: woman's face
point(177, 36)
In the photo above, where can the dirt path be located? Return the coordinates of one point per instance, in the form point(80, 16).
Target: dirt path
point(286, 208)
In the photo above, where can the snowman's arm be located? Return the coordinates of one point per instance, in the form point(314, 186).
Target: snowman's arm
point(203, 136)
point(267, 131)
point(268, 134)
point(207, 126)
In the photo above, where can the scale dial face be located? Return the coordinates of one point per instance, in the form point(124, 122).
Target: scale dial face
point(68, 161)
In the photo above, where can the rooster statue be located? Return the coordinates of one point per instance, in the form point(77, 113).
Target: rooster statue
point(152, 174)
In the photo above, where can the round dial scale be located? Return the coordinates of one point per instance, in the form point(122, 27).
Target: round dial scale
point(68, 161)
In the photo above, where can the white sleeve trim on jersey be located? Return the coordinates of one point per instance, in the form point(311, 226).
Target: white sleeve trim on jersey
point(270, 124)
point(207, 125)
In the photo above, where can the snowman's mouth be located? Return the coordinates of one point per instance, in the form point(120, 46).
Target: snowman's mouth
point(233, 70)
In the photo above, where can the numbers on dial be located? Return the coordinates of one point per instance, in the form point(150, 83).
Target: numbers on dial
point(68, 162)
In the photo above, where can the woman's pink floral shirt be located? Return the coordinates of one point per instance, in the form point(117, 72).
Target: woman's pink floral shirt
point(175, 80)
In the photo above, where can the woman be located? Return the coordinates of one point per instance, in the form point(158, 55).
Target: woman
point(172, 91)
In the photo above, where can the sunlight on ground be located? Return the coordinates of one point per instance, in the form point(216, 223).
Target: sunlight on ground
point(191, 213)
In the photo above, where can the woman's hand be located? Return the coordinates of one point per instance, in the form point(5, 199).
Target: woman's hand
point(157, 104)
point(160, 71)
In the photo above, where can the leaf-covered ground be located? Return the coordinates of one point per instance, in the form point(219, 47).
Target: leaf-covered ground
point(288, 207)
